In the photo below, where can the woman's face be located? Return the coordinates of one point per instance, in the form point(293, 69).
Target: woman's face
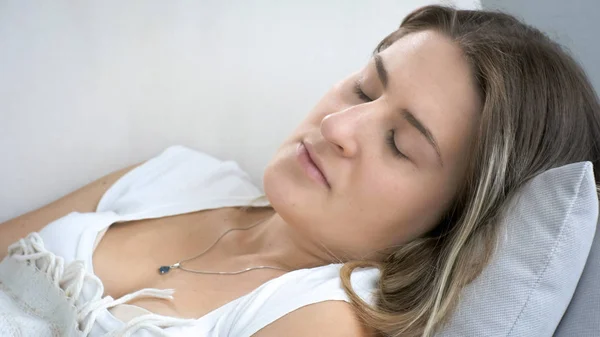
point(391, 141)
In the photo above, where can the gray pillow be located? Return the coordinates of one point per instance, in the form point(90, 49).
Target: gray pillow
point(546, 237)
point(582, 318)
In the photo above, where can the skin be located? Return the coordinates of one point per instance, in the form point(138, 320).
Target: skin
point(375, 199)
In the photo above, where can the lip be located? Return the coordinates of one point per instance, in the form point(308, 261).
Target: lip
point(311, 163)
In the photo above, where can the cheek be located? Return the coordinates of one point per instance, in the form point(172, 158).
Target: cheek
point(411, 202)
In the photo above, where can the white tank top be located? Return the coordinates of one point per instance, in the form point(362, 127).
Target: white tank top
point(179, 180)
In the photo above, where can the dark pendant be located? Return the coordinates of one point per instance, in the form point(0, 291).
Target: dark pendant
point(164, 269)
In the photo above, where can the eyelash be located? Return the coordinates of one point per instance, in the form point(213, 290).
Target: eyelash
point(390, 136)
point(390, 140)
point(361, 94)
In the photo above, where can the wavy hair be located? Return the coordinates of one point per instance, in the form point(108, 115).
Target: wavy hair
point(539, 111)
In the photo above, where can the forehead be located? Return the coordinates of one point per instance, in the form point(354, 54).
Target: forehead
point(428, 75)
point(429, 60)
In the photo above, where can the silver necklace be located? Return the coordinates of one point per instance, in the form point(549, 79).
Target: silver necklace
point(177, 265)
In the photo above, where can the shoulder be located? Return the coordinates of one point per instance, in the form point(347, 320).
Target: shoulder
point(327, 318)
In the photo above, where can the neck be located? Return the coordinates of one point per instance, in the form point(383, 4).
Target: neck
point(272, 242)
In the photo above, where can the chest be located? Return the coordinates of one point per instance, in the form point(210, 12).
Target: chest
point(129, 254)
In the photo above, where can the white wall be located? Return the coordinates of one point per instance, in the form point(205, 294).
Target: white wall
point(88, 87)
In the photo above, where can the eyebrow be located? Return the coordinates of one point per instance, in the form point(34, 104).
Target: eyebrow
point(381, 72)
point(410, 118)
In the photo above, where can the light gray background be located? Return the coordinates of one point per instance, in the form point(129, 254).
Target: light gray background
point(88, 87)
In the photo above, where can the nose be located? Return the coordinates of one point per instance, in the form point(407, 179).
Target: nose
point(342, 129)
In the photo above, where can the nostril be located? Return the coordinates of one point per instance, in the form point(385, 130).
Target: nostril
point(339, 148)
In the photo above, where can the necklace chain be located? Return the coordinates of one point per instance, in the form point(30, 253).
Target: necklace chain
point(177, 265)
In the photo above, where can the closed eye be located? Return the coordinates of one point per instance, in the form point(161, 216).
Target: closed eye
point(390, 136)
point(392, 143)
point(359, 93)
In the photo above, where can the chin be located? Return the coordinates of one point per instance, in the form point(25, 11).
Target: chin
point(288, 197)
point(278, 186)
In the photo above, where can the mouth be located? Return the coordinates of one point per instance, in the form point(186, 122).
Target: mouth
point(311, 163)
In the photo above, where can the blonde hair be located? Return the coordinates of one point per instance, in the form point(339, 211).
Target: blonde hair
point(539, 111)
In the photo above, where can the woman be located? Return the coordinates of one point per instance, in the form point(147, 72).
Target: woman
point(402, 168)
